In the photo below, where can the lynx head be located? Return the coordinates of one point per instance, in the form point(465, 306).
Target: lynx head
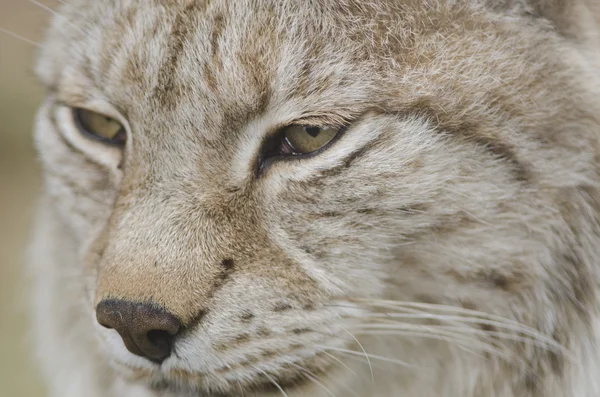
point(244, 186)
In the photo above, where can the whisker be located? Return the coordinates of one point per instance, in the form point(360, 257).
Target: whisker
point(18, 36)
point(72, 7)
point(339, 361)
point(446, 337)
point(474, 317)
point(455, 309)
point(241, 389)
point(374, 356)
point(44, 7)
point(364, 351)
point(317, 377)
point(526, 334)
point(272, 381)
point(423, 330)
point(310, 375)
point(361, 359)
point(57, 14)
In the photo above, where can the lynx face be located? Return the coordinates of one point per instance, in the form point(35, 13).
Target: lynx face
point(244, 188)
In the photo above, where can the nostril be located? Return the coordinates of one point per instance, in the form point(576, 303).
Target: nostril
point(161, 339)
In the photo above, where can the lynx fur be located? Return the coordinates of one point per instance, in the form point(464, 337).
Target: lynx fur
point(447, 244)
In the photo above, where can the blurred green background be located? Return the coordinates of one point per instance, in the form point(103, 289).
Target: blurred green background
point(19, 188)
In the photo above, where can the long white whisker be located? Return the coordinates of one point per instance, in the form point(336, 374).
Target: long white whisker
point(526, 335)
point(446, 337)
point(418, 330)
point(361, 359)
point(71, 7)
point(374, 356)
point(18, 36)
point(272, 381)
point(57, 14)
point(455, 309)
point(45, 7)
point(310, 375)
point(241, 389)
point(364, 351)
point(491, 319)
point(339, 361)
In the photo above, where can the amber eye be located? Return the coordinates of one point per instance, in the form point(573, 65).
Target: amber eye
point(99, 126)
point(300, 139)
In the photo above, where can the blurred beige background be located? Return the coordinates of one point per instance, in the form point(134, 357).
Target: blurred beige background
point(19, 187)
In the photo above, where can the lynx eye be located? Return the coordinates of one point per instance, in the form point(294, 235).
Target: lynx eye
point(297, 140)
point(300, 139)
point(99, 126)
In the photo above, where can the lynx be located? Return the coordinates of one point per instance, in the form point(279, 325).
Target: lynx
point(385, 198)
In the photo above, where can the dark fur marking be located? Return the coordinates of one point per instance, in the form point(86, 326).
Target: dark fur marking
point(228, 265)
point(210, 78)
point(216, 34)
point(220, 347)
point(227, 268)
point(244, 338)
point(282, 307)
point(499, 280)
point(196, 320)
point(487, 328)
point(557, 363)
point(427, 299)
point(247, 316)
point(469, 305)
point(530, 382)
point(347, 163)
point(263, 332)
point(306, 249)
point(471, 132)
point(214, 65)
point(583, 295)
point(164, 91)
point(328, 214)
point(269, 354)
point(366, 211)
point(300, 331)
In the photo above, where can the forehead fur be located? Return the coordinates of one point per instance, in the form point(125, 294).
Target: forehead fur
point(216, 64)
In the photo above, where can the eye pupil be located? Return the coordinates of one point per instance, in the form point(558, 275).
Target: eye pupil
point(313, 131)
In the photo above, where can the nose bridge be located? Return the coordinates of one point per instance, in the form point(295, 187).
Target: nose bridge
point(163, 250)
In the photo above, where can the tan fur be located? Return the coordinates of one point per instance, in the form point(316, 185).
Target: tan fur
point(453, 227)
